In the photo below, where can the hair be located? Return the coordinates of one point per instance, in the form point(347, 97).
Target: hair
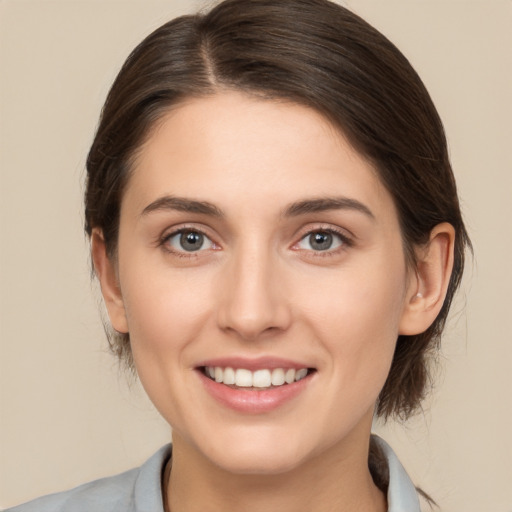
point(313, 53)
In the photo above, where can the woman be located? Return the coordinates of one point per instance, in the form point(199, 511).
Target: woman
point(275, 227)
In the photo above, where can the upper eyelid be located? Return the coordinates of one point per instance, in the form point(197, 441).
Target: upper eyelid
point(171, 232)
point(180, 228)
point(330, 228)
point(346, 241)
point(163, 242)
point(300, 233)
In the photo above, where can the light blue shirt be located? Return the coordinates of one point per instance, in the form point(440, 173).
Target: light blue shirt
point(140, 490)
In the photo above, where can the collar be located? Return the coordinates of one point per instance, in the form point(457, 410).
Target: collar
point(402, 494)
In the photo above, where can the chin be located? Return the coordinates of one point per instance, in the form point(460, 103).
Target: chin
point(257, 462)
point(257, 453)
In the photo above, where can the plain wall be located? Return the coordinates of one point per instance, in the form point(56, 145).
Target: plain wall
point(67, 414)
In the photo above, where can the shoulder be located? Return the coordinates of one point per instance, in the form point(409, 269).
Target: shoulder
point(136, 490)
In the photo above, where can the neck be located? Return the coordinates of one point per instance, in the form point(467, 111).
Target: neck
point(336, 480)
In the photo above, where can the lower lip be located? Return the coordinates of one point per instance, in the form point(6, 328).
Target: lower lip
point(254, 401)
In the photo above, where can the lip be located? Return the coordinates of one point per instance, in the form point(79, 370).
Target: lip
point(253, 400)
point(254, 364)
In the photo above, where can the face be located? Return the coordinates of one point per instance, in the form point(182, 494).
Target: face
point(262, 280)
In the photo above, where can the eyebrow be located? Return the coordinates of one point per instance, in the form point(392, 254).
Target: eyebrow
point(182, 205)
point(327, 203)
point(294, 210)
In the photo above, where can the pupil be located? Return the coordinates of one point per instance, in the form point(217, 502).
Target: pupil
point(321, 241)
point(191, 241)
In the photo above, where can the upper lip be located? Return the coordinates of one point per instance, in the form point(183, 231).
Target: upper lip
point(253, 364)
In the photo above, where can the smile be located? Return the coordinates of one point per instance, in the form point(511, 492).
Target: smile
point(260, 379)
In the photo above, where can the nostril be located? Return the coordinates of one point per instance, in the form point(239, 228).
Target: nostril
point(252, 303)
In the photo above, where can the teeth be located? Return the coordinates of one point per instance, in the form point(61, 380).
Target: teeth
point(277, 377)
point(300, 374)
point(229, 376)
point(263, 378)
point(289, 376)
point(243, 378)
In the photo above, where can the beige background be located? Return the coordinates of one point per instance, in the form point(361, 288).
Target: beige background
point(66, 413)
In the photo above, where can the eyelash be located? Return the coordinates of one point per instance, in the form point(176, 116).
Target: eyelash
point(345, 242)
point(165, 239)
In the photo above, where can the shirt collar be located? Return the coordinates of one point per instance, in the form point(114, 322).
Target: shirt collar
point(402, 494)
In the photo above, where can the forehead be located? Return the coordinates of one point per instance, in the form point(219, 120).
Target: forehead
point(232, 145)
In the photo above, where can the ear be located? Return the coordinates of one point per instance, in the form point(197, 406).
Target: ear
point(427, 288)
point(105, 270)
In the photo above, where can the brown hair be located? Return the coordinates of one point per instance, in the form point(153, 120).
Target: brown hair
point(318, 54)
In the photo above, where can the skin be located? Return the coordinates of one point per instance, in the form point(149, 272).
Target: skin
point(259, 287)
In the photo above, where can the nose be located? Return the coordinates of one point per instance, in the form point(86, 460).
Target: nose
point(254, 301)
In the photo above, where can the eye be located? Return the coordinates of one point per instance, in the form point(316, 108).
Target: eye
point(322, 240)
point(188, 240)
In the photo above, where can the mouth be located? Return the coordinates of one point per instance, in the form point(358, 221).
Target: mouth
point(260, 379)
point(256, 386)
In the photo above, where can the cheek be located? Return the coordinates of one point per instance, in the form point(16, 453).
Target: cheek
point(165, 309)
point(166, 312)
point(360, 300)
point(357, 315)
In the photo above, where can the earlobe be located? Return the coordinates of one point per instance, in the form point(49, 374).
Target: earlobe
point(428, 287)
point(107, 276)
